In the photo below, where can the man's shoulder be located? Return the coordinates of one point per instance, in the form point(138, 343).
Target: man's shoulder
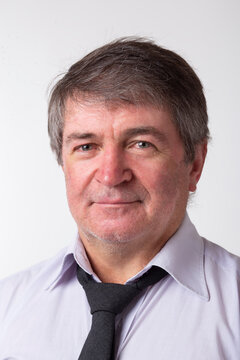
point(15, 288)
point(26, 275)
point(222, 258)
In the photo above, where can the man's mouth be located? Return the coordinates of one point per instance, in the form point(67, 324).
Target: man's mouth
point(116, 202)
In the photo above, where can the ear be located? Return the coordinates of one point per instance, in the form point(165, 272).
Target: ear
point(197, 165)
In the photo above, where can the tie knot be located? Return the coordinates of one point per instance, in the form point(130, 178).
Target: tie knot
point(109, 297)
point(115, 297)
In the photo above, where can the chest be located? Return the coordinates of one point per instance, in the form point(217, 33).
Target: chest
point(166, 322)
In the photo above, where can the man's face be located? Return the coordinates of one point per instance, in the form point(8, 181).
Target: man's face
point(125, 174)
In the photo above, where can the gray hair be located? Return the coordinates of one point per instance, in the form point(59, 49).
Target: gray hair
point(134, 71)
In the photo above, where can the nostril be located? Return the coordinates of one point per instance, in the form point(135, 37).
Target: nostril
point(113, 176)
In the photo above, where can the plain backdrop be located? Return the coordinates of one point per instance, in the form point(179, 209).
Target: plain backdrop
point(41, 39)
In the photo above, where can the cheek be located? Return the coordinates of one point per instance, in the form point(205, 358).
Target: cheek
point(164, 184)
point(164, 187)
point(75, 180)
point(157, 177)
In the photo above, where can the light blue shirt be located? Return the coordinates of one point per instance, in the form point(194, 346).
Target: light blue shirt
point(192, 314)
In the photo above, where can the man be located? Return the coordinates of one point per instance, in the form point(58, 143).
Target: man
point(128, 124)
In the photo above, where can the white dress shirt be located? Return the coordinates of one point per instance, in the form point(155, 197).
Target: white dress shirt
point(192, 314)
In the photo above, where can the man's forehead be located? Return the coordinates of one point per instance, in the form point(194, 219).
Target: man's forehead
point(91, 106)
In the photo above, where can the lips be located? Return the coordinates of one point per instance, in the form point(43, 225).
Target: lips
point(113, 197)
point(115, 201)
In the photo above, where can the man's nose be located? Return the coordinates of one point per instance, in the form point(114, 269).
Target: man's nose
point(113, 168)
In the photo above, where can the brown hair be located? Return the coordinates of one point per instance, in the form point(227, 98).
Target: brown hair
point(134, 71)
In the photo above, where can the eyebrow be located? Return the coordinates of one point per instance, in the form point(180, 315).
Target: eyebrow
point(79, 136)
point(128, 133)
point(146, 130)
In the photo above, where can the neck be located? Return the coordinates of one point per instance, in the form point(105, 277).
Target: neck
point(117, 262)
point(118, 267)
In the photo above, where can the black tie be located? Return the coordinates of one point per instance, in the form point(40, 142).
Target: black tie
point(106, 300)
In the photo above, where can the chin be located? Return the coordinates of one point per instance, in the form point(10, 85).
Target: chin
point(115, 237)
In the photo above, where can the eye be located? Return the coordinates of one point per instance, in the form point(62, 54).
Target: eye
point(143, 144)
point(84, 147)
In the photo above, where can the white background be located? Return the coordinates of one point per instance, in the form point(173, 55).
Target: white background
point(39, 40)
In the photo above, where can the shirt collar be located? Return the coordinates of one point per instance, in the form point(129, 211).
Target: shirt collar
point(67, 258)
point(182, 257)
point(59, 266)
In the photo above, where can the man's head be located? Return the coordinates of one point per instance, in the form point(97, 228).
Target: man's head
point(129, 126)
point(135, 72)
